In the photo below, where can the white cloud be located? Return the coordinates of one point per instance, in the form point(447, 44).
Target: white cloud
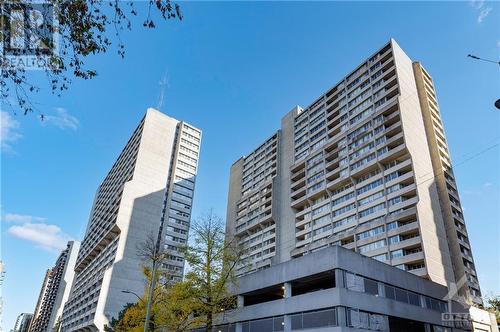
point(478, 4)
point(21, 218)
point(483, 14)
point(480, 7)
point(9, 131)
point(62, 119)
point(45, 236)
point(488, 184)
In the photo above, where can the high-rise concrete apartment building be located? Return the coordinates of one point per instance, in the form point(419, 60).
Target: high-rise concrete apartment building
point(23, 322)
point(365, 166)
point(151, 183)
point(55, 290)
point(41, 295)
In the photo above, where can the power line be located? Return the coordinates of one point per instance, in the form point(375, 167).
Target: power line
point(481, 59)
point(419, 183)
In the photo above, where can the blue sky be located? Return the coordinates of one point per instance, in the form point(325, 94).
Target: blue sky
point(227, 65)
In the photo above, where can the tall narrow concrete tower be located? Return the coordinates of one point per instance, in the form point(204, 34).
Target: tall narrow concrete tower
point(365, 166)
point(152, 181)
point(55, 290)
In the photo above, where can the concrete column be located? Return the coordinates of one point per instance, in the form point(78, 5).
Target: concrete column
point(381, 289)
point(288, 323)
point(240, 301)
point(239, 327)
point(288, 289)
point(341, 316)
point(339, 278)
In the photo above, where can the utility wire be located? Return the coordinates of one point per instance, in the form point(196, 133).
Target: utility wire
point(420, 183)
point(481, 59)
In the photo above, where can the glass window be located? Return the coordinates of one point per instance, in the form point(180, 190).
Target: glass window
point(396, 253)
point(401, 295)
point(389, 292)
point(380, 258)
point(414, 298)
point(319, 319)
point(392, 225)
point(279, 323)
point(435, 305)
point(371, 287)
point(297, 322)
point(261, 325)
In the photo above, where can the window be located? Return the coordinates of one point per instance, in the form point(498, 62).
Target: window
point(360, 130)
point(367, 321)
point(392, 225)
point(363, 161)
point(371, 198)
point(318, 144)
point(391, 176)
point(344, 221)
point(319, 210)
point(314, 319)
point(394, 239)
point(401, 295)
point(315, 159)
point(321, 220)
point(361, 151)
point(315, 177)
point(371, 286)
point(380, 258)
point(395, 200)
point(370, 186)
point(342, 198)
point(372, 246)
point(396, 253)
point(317, 127)
point(370, 233)
point(414, 298)
point(390, 292)
point(360, 141)
point(344, 209)
point(371, 210)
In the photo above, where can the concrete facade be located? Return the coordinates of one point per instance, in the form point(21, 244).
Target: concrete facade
point(23, 322)
point(149, 188)
point(449, 199)
point(55, 290)
point(360, 168)
point(41, 295)
point(335, 289)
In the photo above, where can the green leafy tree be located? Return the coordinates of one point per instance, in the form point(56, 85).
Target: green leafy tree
point(175, 311)
point(212, 261)
point(492, 304)
point(205, 291)
point(173, 307)
point(116, 324)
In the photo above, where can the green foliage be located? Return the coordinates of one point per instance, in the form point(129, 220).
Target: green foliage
point(196, 301)
point(492, 304)
point(176, 308)
point(212, 261)
point(116, 322)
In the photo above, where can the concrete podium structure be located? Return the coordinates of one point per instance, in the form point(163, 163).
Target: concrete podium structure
point(335, 289)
